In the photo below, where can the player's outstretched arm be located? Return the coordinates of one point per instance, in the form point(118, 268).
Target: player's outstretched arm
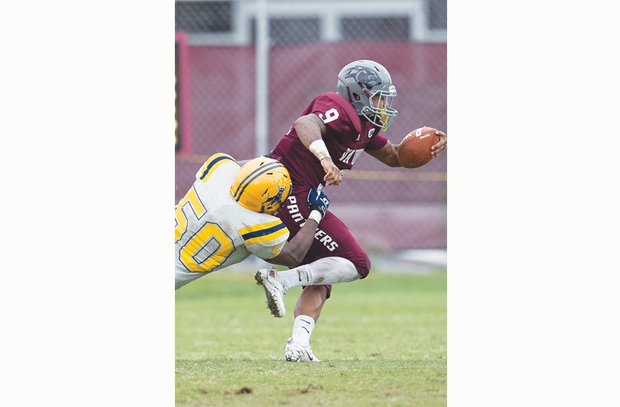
point(388, 154)
point(309, 129)
point(296, 249)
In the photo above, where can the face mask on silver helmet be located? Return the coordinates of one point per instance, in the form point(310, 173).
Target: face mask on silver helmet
point(359, 82)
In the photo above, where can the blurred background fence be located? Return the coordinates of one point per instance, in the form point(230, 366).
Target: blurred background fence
point(245, 70)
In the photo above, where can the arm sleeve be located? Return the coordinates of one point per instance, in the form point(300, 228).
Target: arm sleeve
point(265, 240)
point(376, 142)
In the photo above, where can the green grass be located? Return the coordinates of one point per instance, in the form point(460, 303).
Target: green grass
point(381, 341)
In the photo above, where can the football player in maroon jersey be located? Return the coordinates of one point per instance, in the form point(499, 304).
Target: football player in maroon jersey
point(329, 137)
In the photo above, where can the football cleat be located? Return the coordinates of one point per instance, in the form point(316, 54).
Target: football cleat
point(274, 290)
point(295, 352)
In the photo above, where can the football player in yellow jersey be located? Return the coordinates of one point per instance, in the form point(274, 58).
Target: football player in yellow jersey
point(228, 214)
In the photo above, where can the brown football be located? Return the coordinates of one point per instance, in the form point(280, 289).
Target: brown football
point(415, 149)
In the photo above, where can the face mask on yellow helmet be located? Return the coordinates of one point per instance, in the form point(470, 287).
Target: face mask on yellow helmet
point(261, 185)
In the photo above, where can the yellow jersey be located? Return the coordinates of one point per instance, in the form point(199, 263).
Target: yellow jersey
point(213, 231)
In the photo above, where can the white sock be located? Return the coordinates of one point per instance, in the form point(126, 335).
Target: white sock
point(328, 270)
point(301, 275)
point(302, 329)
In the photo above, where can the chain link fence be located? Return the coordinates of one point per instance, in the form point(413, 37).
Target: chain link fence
point(247, 69)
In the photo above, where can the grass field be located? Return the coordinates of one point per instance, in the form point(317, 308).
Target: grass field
point(381, 341)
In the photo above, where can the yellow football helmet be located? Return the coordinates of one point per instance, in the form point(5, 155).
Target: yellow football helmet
point(261, 185)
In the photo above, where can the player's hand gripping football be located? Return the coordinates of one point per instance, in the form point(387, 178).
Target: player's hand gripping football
point(332, 173)
point(441, 145)
point(318, 201)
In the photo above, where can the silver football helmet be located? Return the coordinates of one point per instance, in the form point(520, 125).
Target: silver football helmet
point(359, 82)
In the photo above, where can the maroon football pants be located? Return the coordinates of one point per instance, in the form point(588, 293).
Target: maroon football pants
point(332, 238)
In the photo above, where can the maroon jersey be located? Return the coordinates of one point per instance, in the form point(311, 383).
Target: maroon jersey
point(346, 138)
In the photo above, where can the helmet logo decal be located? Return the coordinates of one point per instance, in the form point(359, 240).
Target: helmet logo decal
point(277, 197)
point(364, 76)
